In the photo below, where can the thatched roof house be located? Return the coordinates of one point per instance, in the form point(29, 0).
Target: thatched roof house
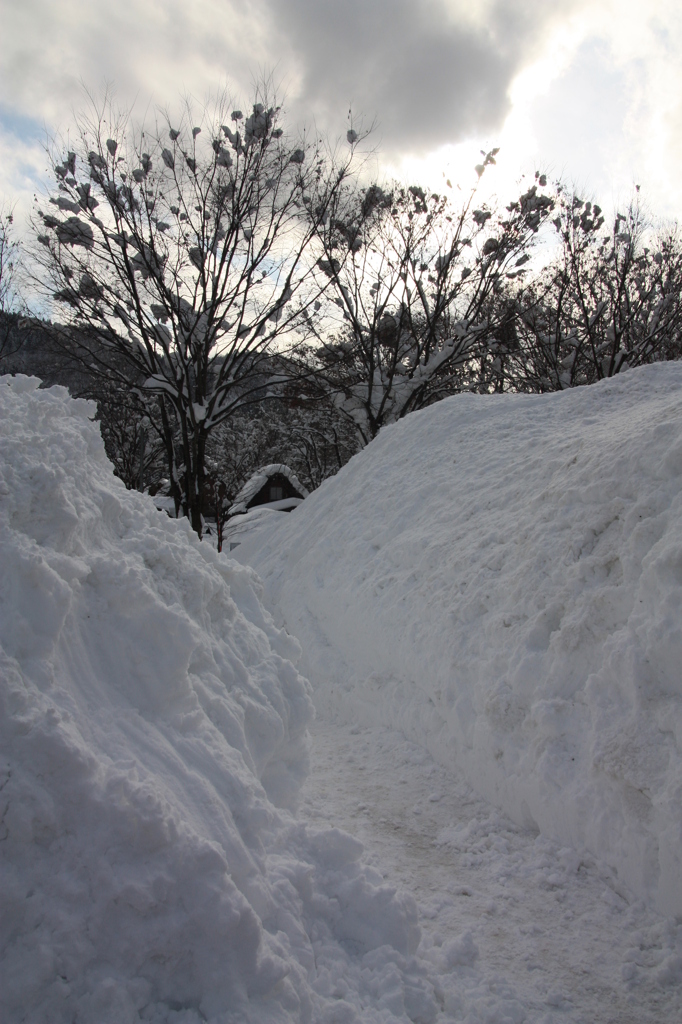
point(274, 487)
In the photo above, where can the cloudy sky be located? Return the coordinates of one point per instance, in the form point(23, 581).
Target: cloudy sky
point(589, 91)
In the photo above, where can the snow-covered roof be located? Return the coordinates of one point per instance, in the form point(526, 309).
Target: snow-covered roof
point(164, 503)
point(259, 479)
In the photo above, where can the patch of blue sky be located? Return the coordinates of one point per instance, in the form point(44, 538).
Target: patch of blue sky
point(28, 129)
point(28, 173)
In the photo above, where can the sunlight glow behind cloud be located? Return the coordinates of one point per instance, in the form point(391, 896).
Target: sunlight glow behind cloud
point(600, 107)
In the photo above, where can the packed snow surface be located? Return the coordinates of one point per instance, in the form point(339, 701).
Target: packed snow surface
point(497, 579)
point(518, 927)
point(152, 742)
point(500, 578)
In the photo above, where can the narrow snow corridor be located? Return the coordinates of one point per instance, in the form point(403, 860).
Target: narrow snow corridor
point(497, 578)
point(153, 729)
point(514, 927)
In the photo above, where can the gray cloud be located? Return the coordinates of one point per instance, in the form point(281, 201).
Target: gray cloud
point(429, 71)
point(144, 49)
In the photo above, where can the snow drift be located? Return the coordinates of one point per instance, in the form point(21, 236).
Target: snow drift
point(152, 733)
point(501, 578)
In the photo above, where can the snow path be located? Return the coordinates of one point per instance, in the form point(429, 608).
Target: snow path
point(515, 928)
point(499, 578)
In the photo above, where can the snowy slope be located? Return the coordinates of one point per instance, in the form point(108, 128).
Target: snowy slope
point(500, 577)
point(152, 735)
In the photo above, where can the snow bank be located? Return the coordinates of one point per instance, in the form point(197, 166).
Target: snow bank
point(152, 729)
point(501, 578)
point(239, 527)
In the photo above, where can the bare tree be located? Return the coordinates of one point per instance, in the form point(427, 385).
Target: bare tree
point(10, 301)
point(607, 302)
point(131, 434)
point(10, 259)
point(182, 251)
point(411, 276)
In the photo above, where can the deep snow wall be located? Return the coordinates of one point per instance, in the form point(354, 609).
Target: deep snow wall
point(152, 735)
point(500, 577)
